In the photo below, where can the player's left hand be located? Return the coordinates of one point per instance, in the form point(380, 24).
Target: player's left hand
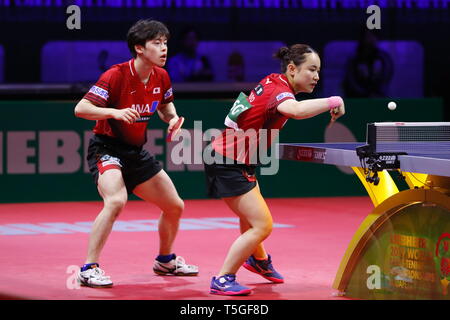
point(174, 126)
point(172, 123)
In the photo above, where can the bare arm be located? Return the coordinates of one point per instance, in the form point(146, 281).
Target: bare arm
point(168, 114)
point(87, 110)
point(309, 108)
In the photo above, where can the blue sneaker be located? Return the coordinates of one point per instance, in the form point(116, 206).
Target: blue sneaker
point(263, 268)
point(227, 286)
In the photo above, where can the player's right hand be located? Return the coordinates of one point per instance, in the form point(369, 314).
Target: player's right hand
point(127, 115)
point(337, 112)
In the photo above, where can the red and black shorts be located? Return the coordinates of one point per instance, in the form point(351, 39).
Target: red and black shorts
point(137, 165)
point(229, 180)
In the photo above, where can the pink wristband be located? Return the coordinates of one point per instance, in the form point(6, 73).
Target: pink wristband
point(334, 101)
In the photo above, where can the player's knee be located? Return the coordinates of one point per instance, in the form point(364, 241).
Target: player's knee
point(115, 204)
point(175, 208)
point(264, 230)
point(267, 230)
point(178, 207)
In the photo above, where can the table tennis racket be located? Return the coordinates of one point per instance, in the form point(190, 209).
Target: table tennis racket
point(175, 129)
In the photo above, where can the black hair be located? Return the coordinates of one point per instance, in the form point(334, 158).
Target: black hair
point(143, 31)
point(295, 54)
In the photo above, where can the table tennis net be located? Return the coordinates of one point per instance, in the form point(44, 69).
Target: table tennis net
point(426, 138)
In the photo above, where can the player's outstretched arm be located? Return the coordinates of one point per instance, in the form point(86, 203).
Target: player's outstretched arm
point(87, 110)
point(309, 108)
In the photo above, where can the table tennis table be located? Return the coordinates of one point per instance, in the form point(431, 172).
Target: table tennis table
point(401, 249)
point(344, 154)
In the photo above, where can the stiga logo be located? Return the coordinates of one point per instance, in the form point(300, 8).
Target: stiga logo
point(388, 158)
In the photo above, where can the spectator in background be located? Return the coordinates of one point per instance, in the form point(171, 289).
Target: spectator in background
point(370, 71)
point(101, 59)
point(236, 67)
point(188, 65)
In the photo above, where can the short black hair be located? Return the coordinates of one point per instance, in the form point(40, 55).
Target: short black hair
point(143, 31)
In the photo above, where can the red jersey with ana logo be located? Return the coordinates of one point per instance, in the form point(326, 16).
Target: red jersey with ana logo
point(264, 99)
point(120, 87)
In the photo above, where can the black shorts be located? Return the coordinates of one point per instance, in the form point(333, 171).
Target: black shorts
point(137, 165)
point(229, 180)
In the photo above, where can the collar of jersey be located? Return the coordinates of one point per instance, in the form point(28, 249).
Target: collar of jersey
point(135, 75)
point(285, 81)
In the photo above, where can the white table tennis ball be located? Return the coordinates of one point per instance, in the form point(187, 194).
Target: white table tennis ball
point(392, 105)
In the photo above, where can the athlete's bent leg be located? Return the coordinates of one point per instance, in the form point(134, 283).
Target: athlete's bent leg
point(253, 210)
point(260, 262)
point(260, 252)
point(161, 191)
point(113, 191)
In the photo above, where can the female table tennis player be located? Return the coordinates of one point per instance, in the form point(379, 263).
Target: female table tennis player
point(268, 106)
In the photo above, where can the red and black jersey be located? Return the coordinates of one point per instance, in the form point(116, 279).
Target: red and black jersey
point(120, 87)
point(263, 114)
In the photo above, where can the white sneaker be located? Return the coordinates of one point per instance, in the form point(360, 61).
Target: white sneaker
point(94, 277)
point(177, 267)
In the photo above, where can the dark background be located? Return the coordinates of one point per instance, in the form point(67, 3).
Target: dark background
point(24, 31)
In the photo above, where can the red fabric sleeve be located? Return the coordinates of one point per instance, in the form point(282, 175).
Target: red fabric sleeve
point(278, 96)
point(106, 90)
point(166, 88)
